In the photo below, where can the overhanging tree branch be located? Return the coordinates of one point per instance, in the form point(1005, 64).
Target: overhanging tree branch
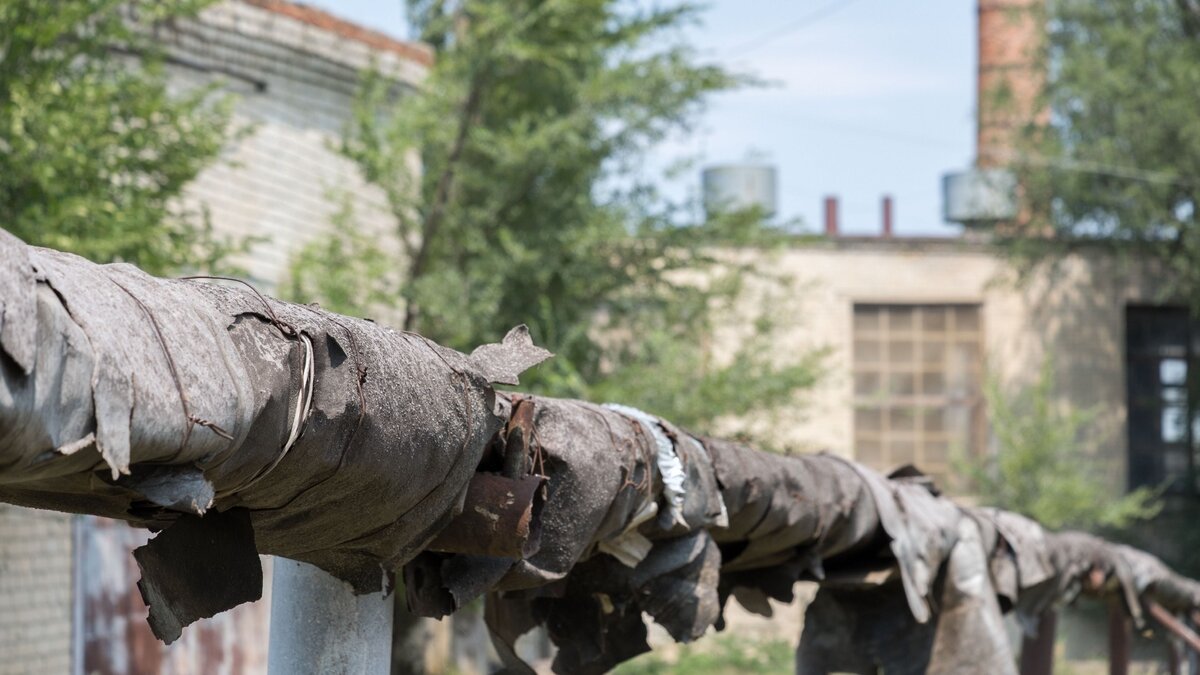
point(443, 191)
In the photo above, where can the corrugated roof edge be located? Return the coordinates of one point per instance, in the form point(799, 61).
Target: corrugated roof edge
point(414, 51)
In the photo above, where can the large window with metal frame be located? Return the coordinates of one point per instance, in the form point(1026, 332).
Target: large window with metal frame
point(918, 372)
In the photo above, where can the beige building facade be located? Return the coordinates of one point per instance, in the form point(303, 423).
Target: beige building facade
point(915, 328)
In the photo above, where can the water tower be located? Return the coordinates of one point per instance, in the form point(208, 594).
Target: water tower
point(735, 187)
point(979, 196)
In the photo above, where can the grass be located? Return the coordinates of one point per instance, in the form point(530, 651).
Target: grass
point(725, 655)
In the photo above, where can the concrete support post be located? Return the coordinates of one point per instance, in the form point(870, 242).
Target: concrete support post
point(1037, 652)
point(1175, 655)
point(318, 625)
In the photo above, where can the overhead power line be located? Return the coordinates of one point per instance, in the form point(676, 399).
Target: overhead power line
point(855, 130)
point(1111, 171)
point(790, 27)
point(1094, 168)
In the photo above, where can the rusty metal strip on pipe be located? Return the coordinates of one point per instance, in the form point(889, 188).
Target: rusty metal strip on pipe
point(501, 517)
point(1173, 624)
point(518, 437)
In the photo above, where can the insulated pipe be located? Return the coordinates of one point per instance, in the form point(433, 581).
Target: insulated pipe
point(318, 625)
point(1174, 625)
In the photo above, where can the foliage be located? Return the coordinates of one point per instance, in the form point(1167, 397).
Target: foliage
point(1041, 467)
point(94, 150)
point(532, 129)
point(722, 655)
point(1117, 163)
point(355, 274)
point(674, 374)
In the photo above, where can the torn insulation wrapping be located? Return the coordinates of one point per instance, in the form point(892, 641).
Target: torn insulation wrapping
point(922, 529)
point(910, 582)
point(604, 492)
point(865, 628)
point(236, 424)
point(214, 552)
point(350, 445)
point(670, 468)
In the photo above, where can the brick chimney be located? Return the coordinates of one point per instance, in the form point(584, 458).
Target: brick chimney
point(831, 216)
point(886, 206)
point(1009, 81)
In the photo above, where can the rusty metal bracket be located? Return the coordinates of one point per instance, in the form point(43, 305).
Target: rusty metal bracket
point(501, 514)
point(501, 517)
point(518, 437)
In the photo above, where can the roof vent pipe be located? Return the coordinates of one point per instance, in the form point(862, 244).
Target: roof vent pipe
point(831, 216)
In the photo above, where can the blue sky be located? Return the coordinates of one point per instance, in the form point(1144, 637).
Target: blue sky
point(868, 97)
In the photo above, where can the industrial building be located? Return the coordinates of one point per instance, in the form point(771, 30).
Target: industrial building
point(913, 326)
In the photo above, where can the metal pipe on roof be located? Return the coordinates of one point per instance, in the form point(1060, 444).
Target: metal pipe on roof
point(831, 216)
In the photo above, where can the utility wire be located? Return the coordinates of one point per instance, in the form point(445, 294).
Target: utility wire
point(1060, 164)
point(1131, 173)
point(1110, 171)
point(790, 27)
point(859, 131)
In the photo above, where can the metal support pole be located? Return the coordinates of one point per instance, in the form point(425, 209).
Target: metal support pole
point(1037, 652)
point(1118, 639)
point(1174, 655)
point(318, 625)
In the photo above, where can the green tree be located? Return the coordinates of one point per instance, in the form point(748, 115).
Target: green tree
point(1116, 165)
point(347, 270)
point(1043, 464)
point(94, 151)
point(532, 129)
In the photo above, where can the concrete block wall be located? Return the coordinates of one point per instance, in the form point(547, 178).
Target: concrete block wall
point(35, 592)
point(294, 86)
